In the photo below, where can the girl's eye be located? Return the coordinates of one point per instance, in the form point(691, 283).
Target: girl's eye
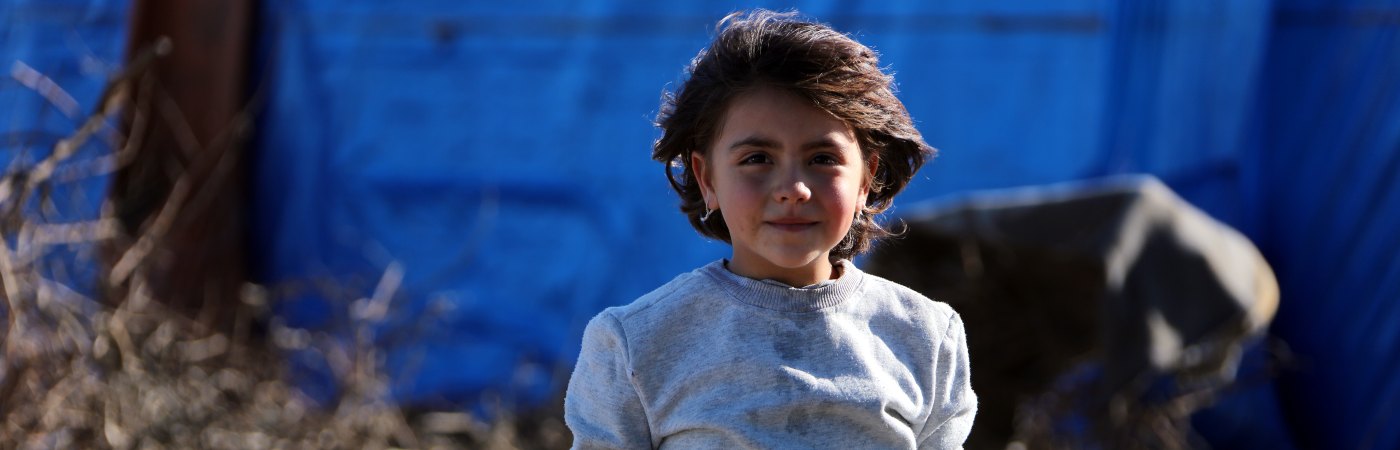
point(825, 160)
point(756, 158)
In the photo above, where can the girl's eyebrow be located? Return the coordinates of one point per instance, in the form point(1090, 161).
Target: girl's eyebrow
point(823, 143)
point(754, 141)
point(763, 142)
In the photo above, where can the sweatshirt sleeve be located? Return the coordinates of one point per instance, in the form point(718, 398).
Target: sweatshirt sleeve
point(955, 405)
point(601, 406)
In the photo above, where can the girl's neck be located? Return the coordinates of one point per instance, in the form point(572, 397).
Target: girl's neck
point(817, 272)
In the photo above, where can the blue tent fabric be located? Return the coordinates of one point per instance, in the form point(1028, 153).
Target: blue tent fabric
point(450, 143)
point(1328, 207)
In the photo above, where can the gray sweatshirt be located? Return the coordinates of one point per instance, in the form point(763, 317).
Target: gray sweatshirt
point(715, 360)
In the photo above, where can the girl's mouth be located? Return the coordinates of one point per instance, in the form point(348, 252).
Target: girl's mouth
point(791, 225)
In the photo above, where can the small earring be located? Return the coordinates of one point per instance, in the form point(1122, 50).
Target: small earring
point(708, 212)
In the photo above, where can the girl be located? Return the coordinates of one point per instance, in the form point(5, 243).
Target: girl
point(788, 139)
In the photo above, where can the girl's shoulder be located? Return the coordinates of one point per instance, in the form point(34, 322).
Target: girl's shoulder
point(906, 302)
point(675, 294)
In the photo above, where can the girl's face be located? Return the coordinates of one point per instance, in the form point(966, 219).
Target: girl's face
point(788, 178)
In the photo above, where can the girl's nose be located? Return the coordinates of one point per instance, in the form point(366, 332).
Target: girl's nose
point(792, 189)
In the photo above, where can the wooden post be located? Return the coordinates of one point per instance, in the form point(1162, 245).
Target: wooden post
point(180, 193)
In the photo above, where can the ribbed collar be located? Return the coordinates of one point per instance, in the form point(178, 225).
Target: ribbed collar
point(779, 297)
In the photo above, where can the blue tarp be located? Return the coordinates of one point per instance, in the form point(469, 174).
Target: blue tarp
point(499, 154)
point(1325, 209)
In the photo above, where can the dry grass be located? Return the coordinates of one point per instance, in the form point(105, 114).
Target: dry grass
point(85, 372)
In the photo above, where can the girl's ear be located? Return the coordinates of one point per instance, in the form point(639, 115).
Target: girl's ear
point(702, 177)
point(872, 167)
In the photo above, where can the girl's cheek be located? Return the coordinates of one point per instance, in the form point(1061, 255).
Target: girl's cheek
point(754, 178)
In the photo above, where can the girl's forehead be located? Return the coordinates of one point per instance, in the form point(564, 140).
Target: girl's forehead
point(778, 113)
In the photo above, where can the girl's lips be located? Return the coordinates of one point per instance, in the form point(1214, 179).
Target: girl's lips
point(791, 225)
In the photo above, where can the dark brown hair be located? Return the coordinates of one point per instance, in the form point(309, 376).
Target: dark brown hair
point(835, 73)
